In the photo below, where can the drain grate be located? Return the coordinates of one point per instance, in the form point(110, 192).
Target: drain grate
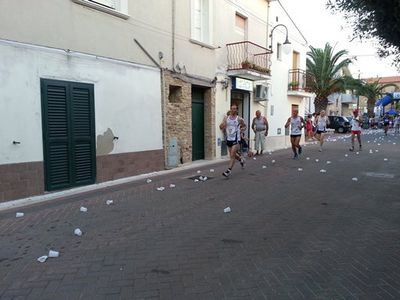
point(198, 177)
point(380, 175)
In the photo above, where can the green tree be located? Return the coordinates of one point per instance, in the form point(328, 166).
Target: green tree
point(373, 19)
point(372, 91)
point(324, 76)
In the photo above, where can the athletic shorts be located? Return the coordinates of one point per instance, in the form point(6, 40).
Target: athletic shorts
point(295, 135)
point(320, 131)
point(231, 143)
point(358, 132)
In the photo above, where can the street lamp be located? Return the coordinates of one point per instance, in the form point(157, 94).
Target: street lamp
point(286, 44)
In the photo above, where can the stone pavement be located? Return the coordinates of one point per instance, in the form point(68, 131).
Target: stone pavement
point(291, 234)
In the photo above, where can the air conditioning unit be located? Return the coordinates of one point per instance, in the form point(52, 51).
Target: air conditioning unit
point(262, 92)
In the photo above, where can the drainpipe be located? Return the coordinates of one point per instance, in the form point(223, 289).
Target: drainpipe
point(173, 33)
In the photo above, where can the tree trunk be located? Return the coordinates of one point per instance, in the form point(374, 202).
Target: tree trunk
point(320, 104)
point(370, 107)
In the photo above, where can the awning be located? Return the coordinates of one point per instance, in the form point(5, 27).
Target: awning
point(384, 101)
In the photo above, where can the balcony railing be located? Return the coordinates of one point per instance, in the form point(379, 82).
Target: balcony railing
point(248, 56)
point(298, 80)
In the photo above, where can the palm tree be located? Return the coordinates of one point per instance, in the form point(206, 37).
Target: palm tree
point(372, 91)
point(324, 78)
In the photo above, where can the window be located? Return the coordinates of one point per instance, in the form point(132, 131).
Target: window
point(201, 21)
point(175, 94)
point(279, 51)
point(241, 25)
point(117, 8)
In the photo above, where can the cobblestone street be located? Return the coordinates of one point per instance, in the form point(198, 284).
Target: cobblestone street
point(294, 232)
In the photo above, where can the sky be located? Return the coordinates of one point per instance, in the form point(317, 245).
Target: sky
point(319, 26)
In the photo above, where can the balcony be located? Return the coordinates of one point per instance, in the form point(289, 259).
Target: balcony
point(298, 83)
point(248, 60)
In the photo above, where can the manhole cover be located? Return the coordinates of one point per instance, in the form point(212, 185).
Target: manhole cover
point(379, 175)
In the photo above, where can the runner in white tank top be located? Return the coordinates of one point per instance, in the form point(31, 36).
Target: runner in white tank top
point(232, 126)
point(321, 122)
point(355, 129)
point(296, 125)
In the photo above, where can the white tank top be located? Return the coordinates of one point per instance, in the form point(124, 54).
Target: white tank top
point(233, 129)
point(355, 125)
point(295, 126)
point(321, 123)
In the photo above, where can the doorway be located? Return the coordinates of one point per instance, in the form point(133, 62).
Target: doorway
point(197, 123)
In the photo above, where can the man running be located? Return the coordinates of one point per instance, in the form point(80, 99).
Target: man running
point(386, 123)
point(355, 129)
point(321, 122)
point(296, 124)
point(232, 125)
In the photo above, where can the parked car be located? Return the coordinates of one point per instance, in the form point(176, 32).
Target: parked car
point(339, 123)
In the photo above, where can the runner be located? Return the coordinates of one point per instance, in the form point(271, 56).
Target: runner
point(233, 125)
point(355, 129)
point(321, 122)
point(296, 124)
point(386, 122)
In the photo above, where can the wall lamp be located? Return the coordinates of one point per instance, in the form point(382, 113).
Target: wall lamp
point(286, 44)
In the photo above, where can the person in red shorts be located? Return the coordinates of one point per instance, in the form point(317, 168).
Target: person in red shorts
point(356, 123)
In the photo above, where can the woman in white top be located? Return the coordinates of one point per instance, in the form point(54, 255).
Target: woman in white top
point(296, 125)
point(321, 123)
point(355, 129)
point(232, 125)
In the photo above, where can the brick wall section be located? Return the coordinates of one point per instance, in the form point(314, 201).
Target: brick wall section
point(21, 180)
point(179, 116)
point(115, 166)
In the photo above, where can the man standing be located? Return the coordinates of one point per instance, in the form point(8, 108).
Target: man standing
point(232, 125)
point(260, 128)
point(355, 129)
point(296, 125)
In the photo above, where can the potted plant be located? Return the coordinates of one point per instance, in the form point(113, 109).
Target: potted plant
point(247, 64)
point(293, 85)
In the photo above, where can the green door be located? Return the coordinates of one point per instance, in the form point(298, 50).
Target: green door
point(68, 133)
point(197, 124)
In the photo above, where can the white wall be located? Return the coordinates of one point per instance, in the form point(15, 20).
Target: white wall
point(127, 99)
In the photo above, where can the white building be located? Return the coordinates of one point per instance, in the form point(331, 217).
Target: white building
point(98, 90)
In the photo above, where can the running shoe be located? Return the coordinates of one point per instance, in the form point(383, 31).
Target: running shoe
point(352, 148)
point(242, 162)
point(300, 150)
point(296, 156)
point(360, 148)
point(226, 173)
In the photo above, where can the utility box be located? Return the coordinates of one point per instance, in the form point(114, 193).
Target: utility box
point(173, 153)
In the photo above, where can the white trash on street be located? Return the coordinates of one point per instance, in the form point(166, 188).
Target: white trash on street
point(211, 170)
point(53, 253)
point(172, 185)
point(316, 160)
point(78, 232)
point(19, 214)
point(196, 180)
point(328, 162)
point(273, 161)
point(161, 188)
point(148, 180)
point(354, 179)
point(83, 209)
point(227, 210)
point(300, 169)
point(385, 159)
point(264, 167)
point(42, 259)
point(109, 202)
point(346, 155)
point(198, 171)
point(322, 171)
point(307, 158)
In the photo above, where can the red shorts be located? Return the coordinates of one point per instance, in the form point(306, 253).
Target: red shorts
point(358, 132)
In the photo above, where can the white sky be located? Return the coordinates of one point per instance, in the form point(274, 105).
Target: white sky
point(319, 26)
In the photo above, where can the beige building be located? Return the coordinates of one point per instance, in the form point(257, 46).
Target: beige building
point(114, 88)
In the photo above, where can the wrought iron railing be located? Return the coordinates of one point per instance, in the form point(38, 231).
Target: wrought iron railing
point(298, 80)
point(250, 56)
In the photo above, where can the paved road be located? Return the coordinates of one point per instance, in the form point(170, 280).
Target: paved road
point(291, 234)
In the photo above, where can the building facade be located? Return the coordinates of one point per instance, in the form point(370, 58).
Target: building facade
point(93, 91)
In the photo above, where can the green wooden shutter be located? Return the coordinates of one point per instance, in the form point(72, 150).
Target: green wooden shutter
point(68, 133)
point(83, 139)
